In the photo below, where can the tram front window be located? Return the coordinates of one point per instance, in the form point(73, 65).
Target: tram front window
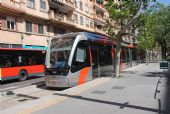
point(59, 59)
point(59, 55)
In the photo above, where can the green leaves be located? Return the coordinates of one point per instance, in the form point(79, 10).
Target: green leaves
point(121, 13)
point(155, 27)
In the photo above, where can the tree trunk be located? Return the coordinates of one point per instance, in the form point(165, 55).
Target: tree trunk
point(153, 56)
point(149, 56)
point(163, 51)
point(117, 67)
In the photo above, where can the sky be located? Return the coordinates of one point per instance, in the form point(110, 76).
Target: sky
point(166, 2)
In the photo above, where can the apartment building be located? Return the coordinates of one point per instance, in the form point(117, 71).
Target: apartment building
point(31, 23)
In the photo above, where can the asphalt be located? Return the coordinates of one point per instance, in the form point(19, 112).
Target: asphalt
point(142, 89)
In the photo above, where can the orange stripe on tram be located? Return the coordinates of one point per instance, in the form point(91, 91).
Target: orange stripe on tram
point(83, 75)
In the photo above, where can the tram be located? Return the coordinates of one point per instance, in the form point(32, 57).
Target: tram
point(75, 58)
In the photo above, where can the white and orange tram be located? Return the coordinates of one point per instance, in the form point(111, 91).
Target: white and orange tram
point(75, 58)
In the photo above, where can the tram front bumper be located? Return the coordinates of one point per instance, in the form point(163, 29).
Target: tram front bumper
point(56, 81)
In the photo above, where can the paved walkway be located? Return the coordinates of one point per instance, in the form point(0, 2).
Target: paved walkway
point(140, 90)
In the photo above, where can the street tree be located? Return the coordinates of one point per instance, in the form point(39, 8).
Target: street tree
point(161, 27)
point(145, 37)
point(123, 15)
point(155, 28)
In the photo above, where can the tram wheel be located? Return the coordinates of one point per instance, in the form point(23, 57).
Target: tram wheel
point(22, 75)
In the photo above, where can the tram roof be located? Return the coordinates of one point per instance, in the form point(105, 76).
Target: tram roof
point(94, 37)
point(89, 35)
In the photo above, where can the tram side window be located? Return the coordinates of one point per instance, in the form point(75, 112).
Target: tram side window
point(123, 55)
point(127, 55)
point(105, 56)
point(81, 57)
point(134, 56)
point(95, 55)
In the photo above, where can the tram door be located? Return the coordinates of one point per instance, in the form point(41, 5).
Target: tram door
point(81, 67)
point(95, 60)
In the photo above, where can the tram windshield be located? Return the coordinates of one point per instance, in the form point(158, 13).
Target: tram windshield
point(60, 51)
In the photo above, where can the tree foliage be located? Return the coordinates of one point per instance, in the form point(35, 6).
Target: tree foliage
point(121, 14)
point(155, 28)
point(145, 37)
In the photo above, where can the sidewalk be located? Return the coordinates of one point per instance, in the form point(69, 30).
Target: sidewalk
point(133, 93)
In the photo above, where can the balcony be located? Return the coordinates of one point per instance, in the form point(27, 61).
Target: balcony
point(70, 3)
point(69, 20)
point(58, 17)
point(99, 19)
point(55, 16)
point(99, 30)
point(12, 6)
point(99, 6)
point(64, 6)
point(61, 18)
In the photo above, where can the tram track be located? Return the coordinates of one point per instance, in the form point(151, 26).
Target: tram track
point(14, 84)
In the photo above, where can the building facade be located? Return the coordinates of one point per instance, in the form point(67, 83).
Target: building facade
point(31, 23)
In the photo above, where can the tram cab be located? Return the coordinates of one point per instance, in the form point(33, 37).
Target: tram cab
point(75, 58)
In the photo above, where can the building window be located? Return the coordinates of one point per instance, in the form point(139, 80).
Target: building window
point(10, 23)
point(91, 24)
point(40, 29)
point(75, 18)
point(81, 5)
point(28, 26)
point(58, 31)
point(3, 22)
point(42, 5)
point(87, 8)
point(31, 3)
point(75, 3)
point(81, 20)
point(91, 10)
point(87, 22)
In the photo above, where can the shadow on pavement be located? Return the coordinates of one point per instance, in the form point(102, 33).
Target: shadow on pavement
point(128, 72)
point(165, 102)
point(42, 85)
point(121, 105)
point(27, 96)
point(154, 74)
